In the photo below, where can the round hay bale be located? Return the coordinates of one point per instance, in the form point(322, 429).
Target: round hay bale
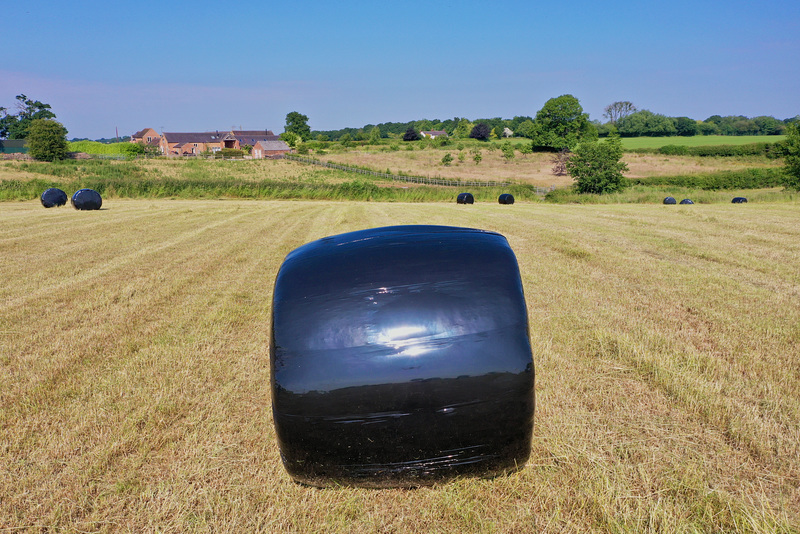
point(413, 371)
point(686, 201)
point(739, 200)
point(670, 200)
point(53, 197)
point(506, 198)
point(465, 198)
point(87, 199)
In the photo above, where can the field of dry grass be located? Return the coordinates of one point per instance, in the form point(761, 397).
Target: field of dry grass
point(534, 169)
point(134, 374)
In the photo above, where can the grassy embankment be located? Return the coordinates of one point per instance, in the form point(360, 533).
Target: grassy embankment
point(135, 383)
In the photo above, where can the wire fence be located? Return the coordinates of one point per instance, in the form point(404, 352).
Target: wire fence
point(399, 177)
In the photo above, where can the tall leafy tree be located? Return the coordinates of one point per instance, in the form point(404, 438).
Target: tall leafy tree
point(598, 167)
point(47, 140)
point(17, 126)
point(297, 123)
point(561, 123)
point(617, 110)
point(481, 131)
point(411, 134)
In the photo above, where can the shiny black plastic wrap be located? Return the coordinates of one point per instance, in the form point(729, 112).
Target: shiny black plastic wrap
point(739, 200)
point(686, 201)
point(53, 197)
point(465, 198)
point(670, 200)
point(87, 199)
point(506, 198)
point(400, 357)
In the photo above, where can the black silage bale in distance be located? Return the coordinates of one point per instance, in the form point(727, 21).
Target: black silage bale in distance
point(465, 198)
point(739, 200)
point(506, 198)
point(53, 197)
point(686, 201)
point(400, 357)
point(87, 199)
point(670, 200)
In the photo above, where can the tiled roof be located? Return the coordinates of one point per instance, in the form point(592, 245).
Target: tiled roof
point(272, 145)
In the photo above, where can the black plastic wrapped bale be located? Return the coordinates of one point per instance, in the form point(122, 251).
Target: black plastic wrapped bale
point(87, 199)
point(53, 197)
point(670, 200)
point(400, 357)
point(739, 200)
point(506, 198)
point(465, 198)
point(686, 201)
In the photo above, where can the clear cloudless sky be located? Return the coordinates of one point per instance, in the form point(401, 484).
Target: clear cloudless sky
point(200, 66)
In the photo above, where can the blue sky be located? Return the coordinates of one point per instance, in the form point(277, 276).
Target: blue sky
point(195, 66)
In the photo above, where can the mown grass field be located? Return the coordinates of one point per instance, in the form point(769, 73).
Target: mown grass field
point(134, 374)
point(698, 140)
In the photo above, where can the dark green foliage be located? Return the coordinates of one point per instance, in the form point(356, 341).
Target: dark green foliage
point(297, 123)
point(561, 123)
point(411, 134)
point(597, 167)
point(47, 140)
point(18, 126)
point(792, 157)
point(228, 153)
point(686, 127)
point(674, 150)
point(646, 123)
point(482, 131)
point(769, 150)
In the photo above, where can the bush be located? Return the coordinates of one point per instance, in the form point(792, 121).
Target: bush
point(744, 179)
point(229, 153)
point(47, 140)
point(674, 150)
point(596, 167)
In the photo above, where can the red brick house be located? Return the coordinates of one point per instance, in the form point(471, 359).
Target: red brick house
point(194, 143)
point(147, 137)
point(267, 148)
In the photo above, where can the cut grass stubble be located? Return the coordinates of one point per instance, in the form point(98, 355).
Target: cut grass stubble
point(135, 384)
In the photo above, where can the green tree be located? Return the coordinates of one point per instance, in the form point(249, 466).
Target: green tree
point(617, 110)
point(346, 140)
point(508, 151)
point(297, 123)
point(686, 127)
point(477, 157)
point(447, 159)
point(375, 136)
point(646, 123)
point(47, 140)
point(411, 134)
point(561, 123)
point(792, 158)
point(17, 126)
point(291, 138)
point(463, 129)
point(481, 131)
point(597, 167)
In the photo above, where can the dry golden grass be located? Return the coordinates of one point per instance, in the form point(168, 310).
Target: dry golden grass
point(534, 169)
point(134, 376)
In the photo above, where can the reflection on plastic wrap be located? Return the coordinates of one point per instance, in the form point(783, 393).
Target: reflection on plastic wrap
point(53, 197)
point(400, 357)
point(87, 199)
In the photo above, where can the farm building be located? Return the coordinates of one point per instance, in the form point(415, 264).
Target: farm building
point(193, 143)
point(147, 137)
point(265, 148)
point(433, 134)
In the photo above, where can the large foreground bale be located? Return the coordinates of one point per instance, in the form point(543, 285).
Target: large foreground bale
point(465, 198)
point(53, 197)
point(400, 357)
point(506, 198)
point(87, 199)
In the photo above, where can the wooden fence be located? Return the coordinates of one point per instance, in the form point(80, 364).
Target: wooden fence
point(410, 179)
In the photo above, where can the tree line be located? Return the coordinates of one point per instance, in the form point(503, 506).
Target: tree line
point(622, 117)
